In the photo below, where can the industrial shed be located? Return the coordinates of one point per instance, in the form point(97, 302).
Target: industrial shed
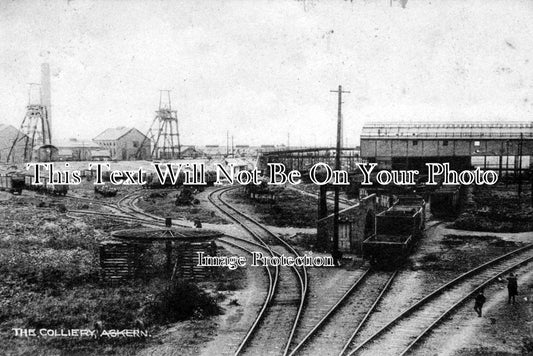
point(124, 143)
point(410, 145)
point(75, 150)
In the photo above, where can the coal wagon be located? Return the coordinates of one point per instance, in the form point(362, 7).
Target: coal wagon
point(105, 191)
point(398, 229)
point(12, 183)
point(45, 187)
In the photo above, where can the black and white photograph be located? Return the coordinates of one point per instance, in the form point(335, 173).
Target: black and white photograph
point(266, 177)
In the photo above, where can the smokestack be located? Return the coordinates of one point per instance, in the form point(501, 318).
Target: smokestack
point(46, 97)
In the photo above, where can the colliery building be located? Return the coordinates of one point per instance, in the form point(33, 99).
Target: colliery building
point(124, 143)
point(462, 144)
point(80, 150)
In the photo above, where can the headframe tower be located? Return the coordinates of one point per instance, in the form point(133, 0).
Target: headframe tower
point(35, 129)
point(163, 133)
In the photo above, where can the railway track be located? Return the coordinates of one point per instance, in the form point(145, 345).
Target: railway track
point(230, 346)
point(114, 216)
point(126, 204)
point(106, 204)
point(274, 329)
point(335, 329)
point(339, 325)
point(405, 331)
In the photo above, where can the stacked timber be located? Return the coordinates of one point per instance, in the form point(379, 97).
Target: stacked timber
point(118, 260)
point(188, 261)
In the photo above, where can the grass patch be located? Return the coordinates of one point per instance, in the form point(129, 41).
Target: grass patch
point(497, 209)
point(164, 204)
point(181, 301)
point(50, 279)
point(459, 253)
point(290, 209)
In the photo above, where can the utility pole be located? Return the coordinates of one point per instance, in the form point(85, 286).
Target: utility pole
point(507, 165)
point(335, 247)
point(520, 166)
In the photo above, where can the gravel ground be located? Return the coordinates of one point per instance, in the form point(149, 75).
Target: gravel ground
point(326, 286)
point(240, 310)
point(421, 275)
point(438, 259)
point(435, 262)
point(165, 206)
point(504, 329)
point(218, 335)
point(442, 255)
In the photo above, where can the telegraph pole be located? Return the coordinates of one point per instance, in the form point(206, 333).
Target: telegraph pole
point(335, 247)
point(520, 166)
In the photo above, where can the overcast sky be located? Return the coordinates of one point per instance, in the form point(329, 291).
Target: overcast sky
point(263, 68)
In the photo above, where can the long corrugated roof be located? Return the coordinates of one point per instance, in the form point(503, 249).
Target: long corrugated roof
point(451, 130)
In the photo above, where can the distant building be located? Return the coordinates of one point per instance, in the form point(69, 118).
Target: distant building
point(75, 150)
point(214, 151)
point(239, 164)
point(124, 143)
point(191, 152)
point(245, 151)
point(8, 134)
point(409, 145)
point(269, 148)
point(100, 155)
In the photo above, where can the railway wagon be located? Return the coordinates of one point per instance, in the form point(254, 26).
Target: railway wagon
point(12, 183)
point(444, 202)
point(152, 181)
point(387, 250)
point(29, 183)
point(398, 229)
point(414, 201)
point(45, 187)
point(55, 189)
point(105, 191)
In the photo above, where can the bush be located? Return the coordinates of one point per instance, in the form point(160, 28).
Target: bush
point(181, 301)
point(527, 345)
point(48, 268)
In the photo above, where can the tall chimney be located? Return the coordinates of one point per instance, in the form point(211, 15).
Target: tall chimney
point(46, 97)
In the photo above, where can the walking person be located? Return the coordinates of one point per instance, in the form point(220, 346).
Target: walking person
point(512, 288)
point(479, 301)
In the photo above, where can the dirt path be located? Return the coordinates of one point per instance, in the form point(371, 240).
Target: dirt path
point(502, 330)
point(240, 310)
point(508, 236)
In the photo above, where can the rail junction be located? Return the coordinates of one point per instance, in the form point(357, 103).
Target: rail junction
point(289, 323)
